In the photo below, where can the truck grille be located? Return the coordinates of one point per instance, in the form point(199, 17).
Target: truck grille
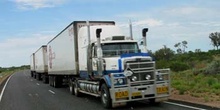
point(141, 68)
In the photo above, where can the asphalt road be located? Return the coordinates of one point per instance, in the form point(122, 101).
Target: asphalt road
point(25, 93)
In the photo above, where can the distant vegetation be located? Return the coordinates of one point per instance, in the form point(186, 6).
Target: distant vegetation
point(5, 72)
point(2, 69)
point(195, 73)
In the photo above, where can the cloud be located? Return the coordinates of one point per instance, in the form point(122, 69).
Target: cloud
point(37, 4)
point(16, 51)
point(184, 10)
point(148, 22)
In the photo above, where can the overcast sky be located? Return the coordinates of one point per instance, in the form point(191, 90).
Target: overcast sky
point(25, 25)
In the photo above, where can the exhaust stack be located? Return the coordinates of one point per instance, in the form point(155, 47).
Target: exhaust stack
point(130, 26)
point(99, 52)
point(144, 32)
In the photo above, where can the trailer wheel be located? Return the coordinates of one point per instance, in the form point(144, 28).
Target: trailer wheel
point(32, 75)
point(55, 81)
point(51, 81)
point(38, 76)
point(76, 89)
point(105, 96)
point(45, 79)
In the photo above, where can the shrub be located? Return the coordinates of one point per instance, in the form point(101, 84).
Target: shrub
point(178, 66)
point(182, 89)
point(162, 64)
point(216, 86)
point(213, 67)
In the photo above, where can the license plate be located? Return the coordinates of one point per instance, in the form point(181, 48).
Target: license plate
point(121, 94)
point(136, 94)
point(162, 89)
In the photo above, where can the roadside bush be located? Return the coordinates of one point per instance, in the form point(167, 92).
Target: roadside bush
point(178, 66)
point(216, 86)
point(182, 89)
point(162, 64)
point(213, 67)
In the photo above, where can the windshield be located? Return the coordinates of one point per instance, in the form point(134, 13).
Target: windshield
point(116, 49)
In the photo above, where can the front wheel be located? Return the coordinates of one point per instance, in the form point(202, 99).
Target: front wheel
point(105, 96)
point(71, 87)
point(76, 89)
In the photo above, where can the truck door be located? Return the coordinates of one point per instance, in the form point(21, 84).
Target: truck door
point(94, 59)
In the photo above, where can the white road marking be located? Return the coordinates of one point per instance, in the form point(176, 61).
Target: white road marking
point(51, 91)
point(3, 90)
point(186, 106)
point(30, 95)
point(38, 84)
point(36, 95)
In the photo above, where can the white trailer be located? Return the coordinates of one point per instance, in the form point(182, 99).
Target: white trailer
point(96, 58)
point(41, 67)
point(32, 64)
point(63, 57)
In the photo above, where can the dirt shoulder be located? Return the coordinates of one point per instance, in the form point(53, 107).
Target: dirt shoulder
point(191, 99)
point(2, 79)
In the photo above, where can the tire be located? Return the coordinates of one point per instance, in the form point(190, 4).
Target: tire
point(51, 81)
point(32, 75)
point(71, 87)
point(105, 96)
point(153, 102)
point(55, 84)
point(76, 89)
point(38, 76)
point(45, 79)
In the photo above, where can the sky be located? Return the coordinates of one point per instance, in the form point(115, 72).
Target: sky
point(25, 25)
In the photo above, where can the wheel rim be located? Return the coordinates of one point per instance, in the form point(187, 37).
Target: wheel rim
point(104, 97)
point(75, 89)
point(71, 88)
point(54, 82)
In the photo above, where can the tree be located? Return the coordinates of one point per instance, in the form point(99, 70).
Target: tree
point(184, 45)
point(197, 50)
point(164, 53)
point(215, 39)
point(181, 47)
point(178, 46)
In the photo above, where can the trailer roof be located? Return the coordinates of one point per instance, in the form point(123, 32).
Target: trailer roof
point(75, 22)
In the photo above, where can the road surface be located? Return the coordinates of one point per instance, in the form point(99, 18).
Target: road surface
point(25, 93)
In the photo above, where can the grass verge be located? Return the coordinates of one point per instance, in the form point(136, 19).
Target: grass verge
point(202, 86)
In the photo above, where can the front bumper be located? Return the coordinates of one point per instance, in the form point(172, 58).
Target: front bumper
point(159, 90)
point(127, 94)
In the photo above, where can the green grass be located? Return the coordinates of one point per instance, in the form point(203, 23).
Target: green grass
point(195, 84)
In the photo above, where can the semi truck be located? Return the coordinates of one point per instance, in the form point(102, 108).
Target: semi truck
point(96, 58)
point(41, 64)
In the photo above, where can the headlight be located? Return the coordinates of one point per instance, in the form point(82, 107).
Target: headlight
point(147, 77)
point(134, 78)
point(119, 81)
point(159, 77)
